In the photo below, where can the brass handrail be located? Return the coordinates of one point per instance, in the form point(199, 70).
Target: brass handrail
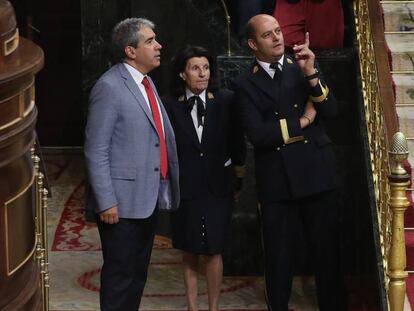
point(228, 24)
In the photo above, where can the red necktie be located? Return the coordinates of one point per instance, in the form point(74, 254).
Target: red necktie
point(158, 125)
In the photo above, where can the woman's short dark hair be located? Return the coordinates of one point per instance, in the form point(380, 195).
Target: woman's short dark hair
point(180, 62)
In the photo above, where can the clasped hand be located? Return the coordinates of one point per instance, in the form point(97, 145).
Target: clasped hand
point(110, 216)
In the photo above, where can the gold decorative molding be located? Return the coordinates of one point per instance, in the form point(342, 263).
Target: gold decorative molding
point(6, 204)
point(22, 111)
point(11, 44)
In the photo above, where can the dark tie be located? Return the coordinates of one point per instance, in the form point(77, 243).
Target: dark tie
point(278, 72)
point(201, 111)
point(157, 120)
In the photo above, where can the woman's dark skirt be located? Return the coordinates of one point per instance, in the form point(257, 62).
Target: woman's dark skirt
point(200, 226)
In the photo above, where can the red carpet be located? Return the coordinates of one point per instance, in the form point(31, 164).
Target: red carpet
point(74, 234)
point(76, 242)
point(71, 230)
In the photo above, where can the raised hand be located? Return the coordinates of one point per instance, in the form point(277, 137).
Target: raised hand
point(304, 56)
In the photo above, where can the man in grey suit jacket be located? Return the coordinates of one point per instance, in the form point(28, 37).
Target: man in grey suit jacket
point(131, 158)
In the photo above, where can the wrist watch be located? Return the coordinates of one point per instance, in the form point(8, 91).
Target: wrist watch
point(313, 76)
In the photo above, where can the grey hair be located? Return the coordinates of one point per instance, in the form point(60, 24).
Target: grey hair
point(125, 33)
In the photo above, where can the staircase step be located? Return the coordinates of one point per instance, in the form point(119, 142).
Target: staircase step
point(406, 117)
point(402, 50)
point(409, 248)
point(404, 88)
point(410, 153)
point(398, 15)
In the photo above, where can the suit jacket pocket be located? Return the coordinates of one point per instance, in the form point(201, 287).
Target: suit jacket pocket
point(322, 139)
point(126, 173)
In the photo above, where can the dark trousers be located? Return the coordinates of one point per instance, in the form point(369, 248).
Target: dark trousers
point(126, 248)
point(282, 222)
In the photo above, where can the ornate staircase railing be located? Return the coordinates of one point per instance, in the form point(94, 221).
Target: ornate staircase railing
point(381, 123)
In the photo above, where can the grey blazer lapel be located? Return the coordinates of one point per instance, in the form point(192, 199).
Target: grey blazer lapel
point(133, 87)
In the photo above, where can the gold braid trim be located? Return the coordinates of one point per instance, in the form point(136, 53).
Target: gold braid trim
point(240, 171)
point(285, 133)
point(323, 90)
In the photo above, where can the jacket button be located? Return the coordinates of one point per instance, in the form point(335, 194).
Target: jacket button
point(276, 113)
point(157, 145)
point(305, 142)
point(156, 169)
point(283, 145)
point(201, 154)
point(278, 148)
point(295, 105)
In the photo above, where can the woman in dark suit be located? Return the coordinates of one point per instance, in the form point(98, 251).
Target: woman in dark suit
point(210, 145)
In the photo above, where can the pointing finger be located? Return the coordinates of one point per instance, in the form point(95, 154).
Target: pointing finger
point(307, 39)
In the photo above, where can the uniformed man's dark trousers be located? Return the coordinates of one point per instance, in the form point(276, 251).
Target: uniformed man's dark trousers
point(126, 248)
point(282, 223)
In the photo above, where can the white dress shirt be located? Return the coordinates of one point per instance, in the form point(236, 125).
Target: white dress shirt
point(271, 71)
point(202, 95)
point(138, 77)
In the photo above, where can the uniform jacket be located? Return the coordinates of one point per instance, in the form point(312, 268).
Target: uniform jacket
point(270, 111)
point(222, 140)
point(122, 148)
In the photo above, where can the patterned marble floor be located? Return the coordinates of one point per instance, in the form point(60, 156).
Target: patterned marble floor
point(75, 258)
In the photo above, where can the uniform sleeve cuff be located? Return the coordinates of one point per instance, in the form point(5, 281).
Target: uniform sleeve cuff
point(319, 92)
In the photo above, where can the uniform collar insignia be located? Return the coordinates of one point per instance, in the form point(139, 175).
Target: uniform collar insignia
point(255, 68)
point(210, 95)
point(289, 61)
point(181, 98)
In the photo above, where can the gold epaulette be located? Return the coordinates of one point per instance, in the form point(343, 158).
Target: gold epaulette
point(240, 171)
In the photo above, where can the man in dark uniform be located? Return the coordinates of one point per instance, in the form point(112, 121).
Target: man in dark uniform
point(283, 101)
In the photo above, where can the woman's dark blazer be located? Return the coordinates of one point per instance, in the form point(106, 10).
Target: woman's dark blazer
point(204, 164)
